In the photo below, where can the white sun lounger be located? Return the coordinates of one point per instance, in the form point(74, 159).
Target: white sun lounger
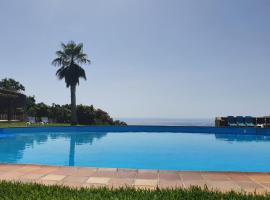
point(31, 120)
point(44, 120)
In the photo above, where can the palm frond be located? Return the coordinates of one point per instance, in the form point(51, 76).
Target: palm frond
point(60, 54)
point(81, 73)
point(57, 62)
point(78, 49)
point(82, 59)
point(63, 45)
point(60, 73)
point(69, 58)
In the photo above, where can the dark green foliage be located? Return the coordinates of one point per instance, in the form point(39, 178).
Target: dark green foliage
point(42, 110)
point(23, 124)
point(90, 115)
point(59, 114)
point(87, 115)
point(18, 191)
point(31, 105)
point(33, 109)
point(30, 101)
point(11, 84)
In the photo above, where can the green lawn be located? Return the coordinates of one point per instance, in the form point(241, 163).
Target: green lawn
point(23, 124)
point(19, 191)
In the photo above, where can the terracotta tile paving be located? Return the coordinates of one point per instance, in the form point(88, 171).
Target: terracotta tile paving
point(238, 177)
point(165, 183)
point(53, 177)
point(191, 176)
point(260, 178)
point(77, 177)
point(147, 174)
point(105, 173)
point(48, 182)
point(224, 186)
point(11, 176)
point(65, 170)
point(107, 169)
point(169, 175)
point(215, 177)
point(85, 172)
point(98, 180)
point(45, 169)
point(27, 169)
point(31, 176)
point(266, 185)
point(6, 167)
point(249, 185)
point(200, 183)
point(146, 183)
point(121, 182)
point(126, 173)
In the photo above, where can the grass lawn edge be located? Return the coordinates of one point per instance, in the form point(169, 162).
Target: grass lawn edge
point(17, 190)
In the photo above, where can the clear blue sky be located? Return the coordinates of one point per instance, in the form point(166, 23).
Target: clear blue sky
point(150, 58)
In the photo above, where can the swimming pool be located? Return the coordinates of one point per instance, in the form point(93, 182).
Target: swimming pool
point(144, 147)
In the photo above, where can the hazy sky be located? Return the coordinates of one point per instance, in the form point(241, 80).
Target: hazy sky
point(150, 58)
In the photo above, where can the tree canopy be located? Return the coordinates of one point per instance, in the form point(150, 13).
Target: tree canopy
point(11, 84)
point(87, 115)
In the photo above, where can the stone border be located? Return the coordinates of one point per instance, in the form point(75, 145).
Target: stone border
point(78, 177)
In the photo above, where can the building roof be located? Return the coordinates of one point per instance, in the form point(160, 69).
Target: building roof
point(7, 96)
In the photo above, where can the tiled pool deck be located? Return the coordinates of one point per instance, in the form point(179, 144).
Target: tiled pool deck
point(150, 179)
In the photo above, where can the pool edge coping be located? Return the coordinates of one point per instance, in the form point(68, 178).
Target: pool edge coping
point(142, 179)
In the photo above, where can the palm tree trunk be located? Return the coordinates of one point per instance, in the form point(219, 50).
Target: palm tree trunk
point(73, 105)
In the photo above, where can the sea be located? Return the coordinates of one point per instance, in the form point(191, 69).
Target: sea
point(170, 122)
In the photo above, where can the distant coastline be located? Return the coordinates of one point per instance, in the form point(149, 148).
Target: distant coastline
point(169, 122)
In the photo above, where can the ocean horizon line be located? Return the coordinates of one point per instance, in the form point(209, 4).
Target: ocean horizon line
point(170, 121)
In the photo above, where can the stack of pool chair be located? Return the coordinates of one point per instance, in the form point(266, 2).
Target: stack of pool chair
point(231, 121)
point(240, 121)
point(249, 121)
point(267, 122)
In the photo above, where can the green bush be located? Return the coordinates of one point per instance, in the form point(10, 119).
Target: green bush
point(87, 115)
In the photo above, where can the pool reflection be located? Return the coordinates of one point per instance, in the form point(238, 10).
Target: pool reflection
point(12, 146)
point(242, 138)
point(78, 140)
point(81, 148)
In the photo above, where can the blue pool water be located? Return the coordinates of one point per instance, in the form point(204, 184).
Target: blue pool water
point(145, 147)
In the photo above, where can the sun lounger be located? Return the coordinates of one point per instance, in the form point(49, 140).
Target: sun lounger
point(260, 125)
point(44, 120)
point(31, 120)
point(240, 121)
point(231, 121)
point(249, 121)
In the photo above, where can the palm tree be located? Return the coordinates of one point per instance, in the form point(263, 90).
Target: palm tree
point(69, 59)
